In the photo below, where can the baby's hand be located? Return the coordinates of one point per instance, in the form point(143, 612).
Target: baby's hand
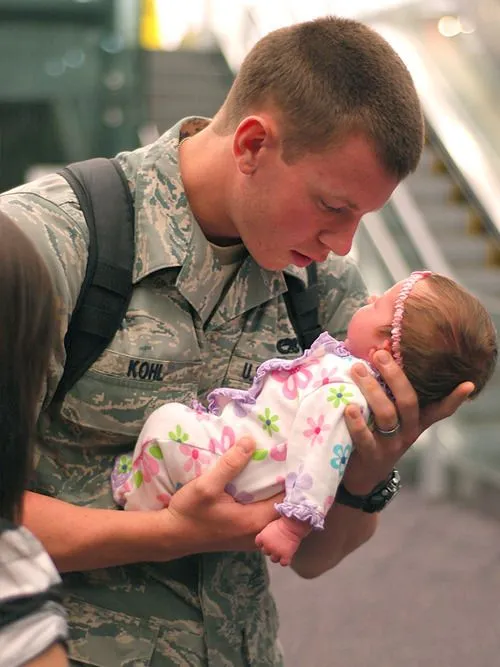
point(281, 538)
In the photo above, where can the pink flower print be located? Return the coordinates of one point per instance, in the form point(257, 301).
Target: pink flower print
point(164, 499)
point(146, 465)
point(316, 430)
point(226, 441)
point(327, 377)
point(196, 458)
point(294, 379)
point(240, 496)
point(279, 452)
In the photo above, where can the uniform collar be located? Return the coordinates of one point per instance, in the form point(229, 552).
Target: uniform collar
point(164, 223)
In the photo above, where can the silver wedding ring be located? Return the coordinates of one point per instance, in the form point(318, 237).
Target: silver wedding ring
point(389, 432)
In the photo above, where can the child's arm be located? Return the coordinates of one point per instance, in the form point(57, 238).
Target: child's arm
point(319, 447)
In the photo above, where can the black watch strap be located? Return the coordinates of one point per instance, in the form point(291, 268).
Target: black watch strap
point(375, 501)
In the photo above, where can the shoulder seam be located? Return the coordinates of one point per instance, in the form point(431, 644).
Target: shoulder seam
point(60, 205)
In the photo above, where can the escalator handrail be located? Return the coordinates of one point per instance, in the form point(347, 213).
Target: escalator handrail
point(478, 181)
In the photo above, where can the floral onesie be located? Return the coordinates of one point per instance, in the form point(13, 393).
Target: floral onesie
point(293, 411)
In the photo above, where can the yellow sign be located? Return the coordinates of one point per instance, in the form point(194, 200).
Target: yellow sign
point(150, 28)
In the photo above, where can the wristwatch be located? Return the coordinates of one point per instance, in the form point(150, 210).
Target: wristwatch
point(376, 500)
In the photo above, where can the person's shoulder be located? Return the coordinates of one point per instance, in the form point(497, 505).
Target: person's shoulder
point(342, 291)
point(48, 203)
point(340, 270)
point(339, 278)
point(152, 161)
point(51, 188)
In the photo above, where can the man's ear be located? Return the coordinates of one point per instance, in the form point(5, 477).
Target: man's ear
point(252, 135)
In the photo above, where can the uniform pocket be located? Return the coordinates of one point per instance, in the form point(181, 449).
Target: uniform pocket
point(115, 405)
point(104, 638)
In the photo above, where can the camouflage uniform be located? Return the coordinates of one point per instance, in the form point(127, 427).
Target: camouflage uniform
point(185, 333)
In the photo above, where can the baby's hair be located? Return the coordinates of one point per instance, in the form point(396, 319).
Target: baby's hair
point(447, 337)
point(27, 332)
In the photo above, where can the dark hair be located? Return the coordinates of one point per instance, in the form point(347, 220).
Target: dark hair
point(27, 331)
point(330, 78)
point(463, 340)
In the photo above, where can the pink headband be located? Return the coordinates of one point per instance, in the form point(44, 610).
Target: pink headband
point(399, 310)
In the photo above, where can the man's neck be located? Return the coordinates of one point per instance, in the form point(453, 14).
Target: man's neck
point(203, 167)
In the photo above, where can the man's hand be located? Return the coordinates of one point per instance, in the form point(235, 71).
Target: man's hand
point(206, 518)
point(374, 456)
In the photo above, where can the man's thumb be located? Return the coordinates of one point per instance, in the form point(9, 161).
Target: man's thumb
point(232, 462)
point(246, 444)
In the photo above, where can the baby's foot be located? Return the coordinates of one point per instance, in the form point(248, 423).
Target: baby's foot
point(281, 538)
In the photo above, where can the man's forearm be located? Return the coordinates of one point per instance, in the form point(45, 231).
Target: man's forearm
point(345, 530)
point(79, 538)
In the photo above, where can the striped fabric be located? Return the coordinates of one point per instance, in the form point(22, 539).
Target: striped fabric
point(31, 616)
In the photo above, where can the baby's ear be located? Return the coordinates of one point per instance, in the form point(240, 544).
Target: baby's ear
point(387, 346)
point(384, 345)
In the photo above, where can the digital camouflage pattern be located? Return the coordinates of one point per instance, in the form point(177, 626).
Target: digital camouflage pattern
point(184, 325)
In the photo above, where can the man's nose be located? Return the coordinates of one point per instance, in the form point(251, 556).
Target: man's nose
point(340, 240)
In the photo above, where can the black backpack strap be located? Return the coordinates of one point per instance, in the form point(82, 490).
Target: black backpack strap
point(105, 200)
point(302, 303)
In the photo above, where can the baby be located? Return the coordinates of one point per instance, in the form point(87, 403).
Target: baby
point(439, 333)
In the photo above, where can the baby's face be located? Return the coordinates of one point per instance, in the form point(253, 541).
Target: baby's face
point(364, 334)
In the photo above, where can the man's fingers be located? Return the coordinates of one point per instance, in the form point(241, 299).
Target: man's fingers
point(361, 435)
point(403, 392)
point(230, 464)
point(380, 404)
point(447, 406)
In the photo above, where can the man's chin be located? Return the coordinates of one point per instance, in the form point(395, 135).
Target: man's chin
point(271, 263)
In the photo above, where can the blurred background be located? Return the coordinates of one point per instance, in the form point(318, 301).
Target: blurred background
point(81, 78)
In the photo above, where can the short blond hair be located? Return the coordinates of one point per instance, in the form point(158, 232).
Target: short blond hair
point(330, 78)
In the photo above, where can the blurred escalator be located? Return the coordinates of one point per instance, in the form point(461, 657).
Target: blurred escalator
point(469, 245)
point(446, 217)
point(184, 83)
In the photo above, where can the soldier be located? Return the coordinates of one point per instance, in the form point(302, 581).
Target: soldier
point(321, 124)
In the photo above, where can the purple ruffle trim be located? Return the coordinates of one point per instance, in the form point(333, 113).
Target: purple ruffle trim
point(302, 513)
point(218, 398)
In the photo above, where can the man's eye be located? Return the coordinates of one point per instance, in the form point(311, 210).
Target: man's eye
point(332, 209)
